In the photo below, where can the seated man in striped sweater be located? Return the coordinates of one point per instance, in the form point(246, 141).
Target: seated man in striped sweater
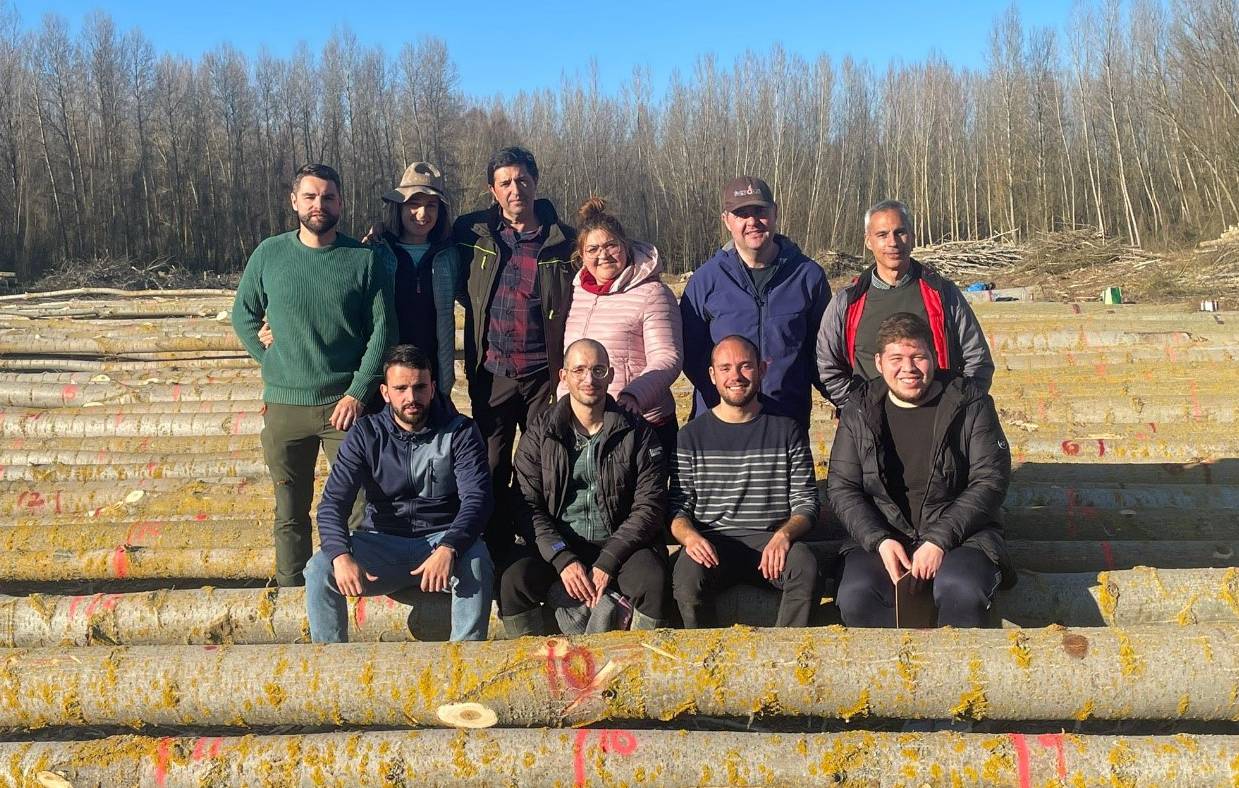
point(742, 495)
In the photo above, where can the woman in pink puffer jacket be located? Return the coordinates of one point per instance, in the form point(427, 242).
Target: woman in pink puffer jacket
point(619, 300)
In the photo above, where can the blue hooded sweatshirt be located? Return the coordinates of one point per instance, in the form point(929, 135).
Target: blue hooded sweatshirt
point(721, 300)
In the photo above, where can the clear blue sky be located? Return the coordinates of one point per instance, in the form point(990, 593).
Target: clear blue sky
point(485, 39)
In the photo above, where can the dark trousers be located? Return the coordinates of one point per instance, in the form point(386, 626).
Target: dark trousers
point(291, 437)
point(500, 405)
point(963, 589)
point(739, 558)
point(642, 578)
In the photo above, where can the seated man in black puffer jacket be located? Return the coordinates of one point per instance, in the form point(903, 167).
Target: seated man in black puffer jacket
point(593, 498)
point(918, 473)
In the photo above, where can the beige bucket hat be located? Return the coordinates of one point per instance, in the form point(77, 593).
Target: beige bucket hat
point(420, 177)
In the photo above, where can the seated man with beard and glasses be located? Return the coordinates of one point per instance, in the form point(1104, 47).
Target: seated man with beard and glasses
point(423, 468)
point(742, 495)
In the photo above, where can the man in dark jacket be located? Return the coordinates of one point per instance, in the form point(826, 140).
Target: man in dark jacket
point(847, 339)
point(423, 468)
point(594, 499)
point(762, 287)
point(918, 473)
point(517, 257)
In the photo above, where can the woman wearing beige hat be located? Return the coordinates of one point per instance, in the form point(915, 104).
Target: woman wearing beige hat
point(415, 241)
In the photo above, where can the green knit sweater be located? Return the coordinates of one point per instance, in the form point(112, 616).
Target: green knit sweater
point(331, 311)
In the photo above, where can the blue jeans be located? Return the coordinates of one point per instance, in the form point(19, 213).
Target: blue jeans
point(391, 558)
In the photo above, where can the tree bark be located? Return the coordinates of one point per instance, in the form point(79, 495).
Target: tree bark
point(267, 616)
point(596, 757)
point(1047, 674)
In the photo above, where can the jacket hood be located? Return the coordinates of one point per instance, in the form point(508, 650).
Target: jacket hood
point(645, 265)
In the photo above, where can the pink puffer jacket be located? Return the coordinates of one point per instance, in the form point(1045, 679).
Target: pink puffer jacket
point(638, 322)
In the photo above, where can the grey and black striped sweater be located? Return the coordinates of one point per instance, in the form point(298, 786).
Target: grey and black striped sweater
point(742, 478)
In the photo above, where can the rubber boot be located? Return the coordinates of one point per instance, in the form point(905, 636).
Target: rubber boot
point(642, 621)
point(528, 623)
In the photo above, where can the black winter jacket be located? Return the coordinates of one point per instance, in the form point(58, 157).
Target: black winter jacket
point(476, 236)
point(971, 471)
point(632, 481)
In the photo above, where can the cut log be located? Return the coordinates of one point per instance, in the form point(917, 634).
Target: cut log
point(1086, 556)
point(268, 616)
point(1048, 674)
point(85, 422)
point(595, 757)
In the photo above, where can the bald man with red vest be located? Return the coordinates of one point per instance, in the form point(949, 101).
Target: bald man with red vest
point(847, 339)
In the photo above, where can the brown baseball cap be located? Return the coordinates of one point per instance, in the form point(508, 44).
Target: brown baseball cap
point(420, 177)
point(744, 191)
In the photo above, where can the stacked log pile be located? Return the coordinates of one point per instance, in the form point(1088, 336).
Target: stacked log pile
point(135, 544)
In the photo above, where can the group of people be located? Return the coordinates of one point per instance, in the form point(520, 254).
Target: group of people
point(572, 338)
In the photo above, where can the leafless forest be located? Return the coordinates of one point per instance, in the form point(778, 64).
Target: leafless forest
point(1129, 122)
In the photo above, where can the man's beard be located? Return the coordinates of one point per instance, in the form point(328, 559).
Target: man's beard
point(414, 422)
point(742, 401)
point(318, 224)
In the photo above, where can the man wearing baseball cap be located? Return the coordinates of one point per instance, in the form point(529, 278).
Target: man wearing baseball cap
point(762, 287)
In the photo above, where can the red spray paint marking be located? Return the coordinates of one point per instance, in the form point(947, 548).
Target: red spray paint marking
point(73, 603)
point(145, 444)
point(1101, 448)
point(120, 563)
point(1107, 555)
point(578, 757)
point(1022, 765)
point(200, 516)
point(119, 418)
point(578, 667)
point(552, 673)
point(68, 393)
point(31, 499)
point(236, 424)
point(1042, 410)
point(1196, 410)
point(176, 392)
point(1054, 741)
point(359, 612)
point(1172, 355)
point(609, 741)
point(206, 747)
point(1075, 308)
point(163, 756)
point(1070, 448)
point(56, 499)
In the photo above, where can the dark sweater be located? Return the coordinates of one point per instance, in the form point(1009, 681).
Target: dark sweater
point(331, 313)
point(907, 439)
point(881, 303)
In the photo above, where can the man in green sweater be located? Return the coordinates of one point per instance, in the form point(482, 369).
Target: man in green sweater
point(329, 300)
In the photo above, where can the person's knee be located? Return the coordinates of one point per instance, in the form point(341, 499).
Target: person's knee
point(861, 601)
point(962, 591)
point(688, 580)
point(320, 574)
point(522, 585)
point(474, 569)
point(800, 566)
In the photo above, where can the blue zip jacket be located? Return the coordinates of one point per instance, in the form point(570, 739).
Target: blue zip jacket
point(435, 480)
point(720, 300)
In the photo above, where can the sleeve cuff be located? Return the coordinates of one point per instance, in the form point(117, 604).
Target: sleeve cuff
point(607, 563)
point(562, 559)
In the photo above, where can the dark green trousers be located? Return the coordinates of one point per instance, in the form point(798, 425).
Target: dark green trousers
point(291, 436)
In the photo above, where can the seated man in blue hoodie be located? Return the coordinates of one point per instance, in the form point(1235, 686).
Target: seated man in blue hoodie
point(428, 496)
point(762, 287)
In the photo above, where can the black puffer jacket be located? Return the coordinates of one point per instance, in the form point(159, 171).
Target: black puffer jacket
point(971, 471)
point(632, 480)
